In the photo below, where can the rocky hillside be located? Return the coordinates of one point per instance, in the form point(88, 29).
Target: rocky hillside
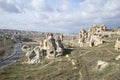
point(89, 63)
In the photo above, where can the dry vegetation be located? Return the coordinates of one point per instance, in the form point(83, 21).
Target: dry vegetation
point(62, 69)
point(5, 49)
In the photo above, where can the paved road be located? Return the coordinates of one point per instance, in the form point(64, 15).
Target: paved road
point(17, 55)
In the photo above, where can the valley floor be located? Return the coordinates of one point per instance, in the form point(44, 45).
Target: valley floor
point(62, 69)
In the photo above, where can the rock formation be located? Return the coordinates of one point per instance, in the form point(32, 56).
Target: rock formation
point(35, 55)
point(41, 43)
point(59, 46)
point(49, 47)
point(92, 37)
point(54, 47)
point(25, 48)
point(118, 57)
point(61, 37)
point(117, 45)
point(101, 65)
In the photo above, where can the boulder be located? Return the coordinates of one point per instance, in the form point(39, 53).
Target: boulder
point(101, 65)
point(25, 48)
point(117, 45)
point(118, 57)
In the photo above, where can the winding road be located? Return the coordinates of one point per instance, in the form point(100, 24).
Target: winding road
point(17, 54)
